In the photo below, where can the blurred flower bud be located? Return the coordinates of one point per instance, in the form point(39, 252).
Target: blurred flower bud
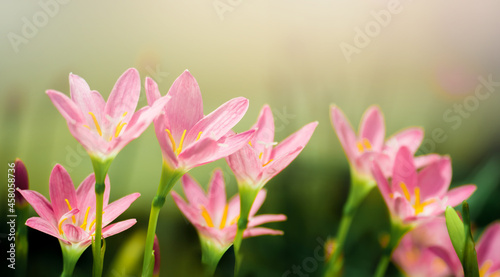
point(156, 249)
point(21, 181)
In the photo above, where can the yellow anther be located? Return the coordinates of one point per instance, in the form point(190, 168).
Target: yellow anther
point(207, 217)
point(172, 141)
point(250, 143)
point(419, 207)
point(360, 147)
point(98, 128)
point(180, 143)
point(60, 226)
point(69, 207)
point(405, 191)
point(84, 224)
point(234, 220)
point(224, 218)
point(86, 126)
point(260, 156)
point(267, 162)
point(199, 135)
point(485, 267)
point(120, 125)
point(367, 144)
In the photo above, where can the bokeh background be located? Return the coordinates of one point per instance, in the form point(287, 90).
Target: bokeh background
point(422, 66)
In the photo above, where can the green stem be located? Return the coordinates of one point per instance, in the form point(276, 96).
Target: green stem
point(71, 254)
point(360, 187)
point(22, 241)
point(168, 179)
point(247, 197)
point(398, 230)
point(100, 170)
point(210, 255)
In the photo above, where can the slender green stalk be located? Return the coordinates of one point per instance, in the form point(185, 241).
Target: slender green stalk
point(210, 255)
point(100, 170)
point(360, 187)
point(398, 230)
point(71, 255)
point(247, 197)
point(22, 241)
point(168, 179)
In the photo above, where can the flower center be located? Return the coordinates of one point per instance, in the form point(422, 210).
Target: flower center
point(210, 223)
point(364, 145)
point(417, 205)
point(178, 150)
point(262, 153)
point(484, 270)
point(118, 128)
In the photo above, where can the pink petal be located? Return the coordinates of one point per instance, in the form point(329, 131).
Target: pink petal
point(68, 109)
point(245, 164)
point(363, 163)
point(425, 160)
point(233, 210)
point(403, 209)
point(372, 127)
point(43, 225)
point(198, 153)
point(295, 140)
point(190, 212)
point(219, 122)
point(435, 179)
point(139, 122)
point(161, 124)
point(344, 132)
point(67, 218)
point(90, 140)
point(118, 227)
point(228, 146)
point(264, 136)
point(186, 106)
point(263, 219)
point(74, 234)
point(404, 170)
point(193, 191)
point(488, 247)
point(411, 138)
point(383, 185)
point(85, 99)
point(152, 91)
point(216, 196)
point(257, 203)
point(85, 194)
point(124, 96)
point(459, 194)
point(40, 204)
point(254, 232)
point(277, 165)
point(61, 188)
point(116, 208)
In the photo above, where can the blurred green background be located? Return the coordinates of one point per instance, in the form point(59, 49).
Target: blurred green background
point(422, 66)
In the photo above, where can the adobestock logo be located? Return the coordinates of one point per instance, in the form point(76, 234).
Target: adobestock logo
point(31, 26)
point(363, 36)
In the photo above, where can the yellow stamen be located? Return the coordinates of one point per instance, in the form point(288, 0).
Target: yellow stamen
point(234, 220)
point(180, 144)
point(250, 143)
point(207, 217)
point(260, 155)
point(405, 191)
point(172, 141)
point(96, 124)
point(69, 207)
point(484, 268)
point(267, 162)
point(360, 147)
point(391, 195)
point(367, 144)
point(84, 224)
point(224, 218)
point(120, 125)
point(199, 135)
point(60, 226)
point(419, 207)
point(86, 126)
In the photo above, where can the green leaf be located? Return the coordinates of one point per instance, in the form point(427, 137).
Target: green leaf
point(456, 231)
point(469, 263)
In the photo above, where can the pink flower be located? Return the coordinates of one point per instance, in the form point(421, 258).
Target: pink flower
point(214, 218)
point(415, 195)
point(416, 256)
point(488, 251)
point(104, 128)
point(370, 143)
point(262, 158)
point(70, 216)
point(188, 138)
